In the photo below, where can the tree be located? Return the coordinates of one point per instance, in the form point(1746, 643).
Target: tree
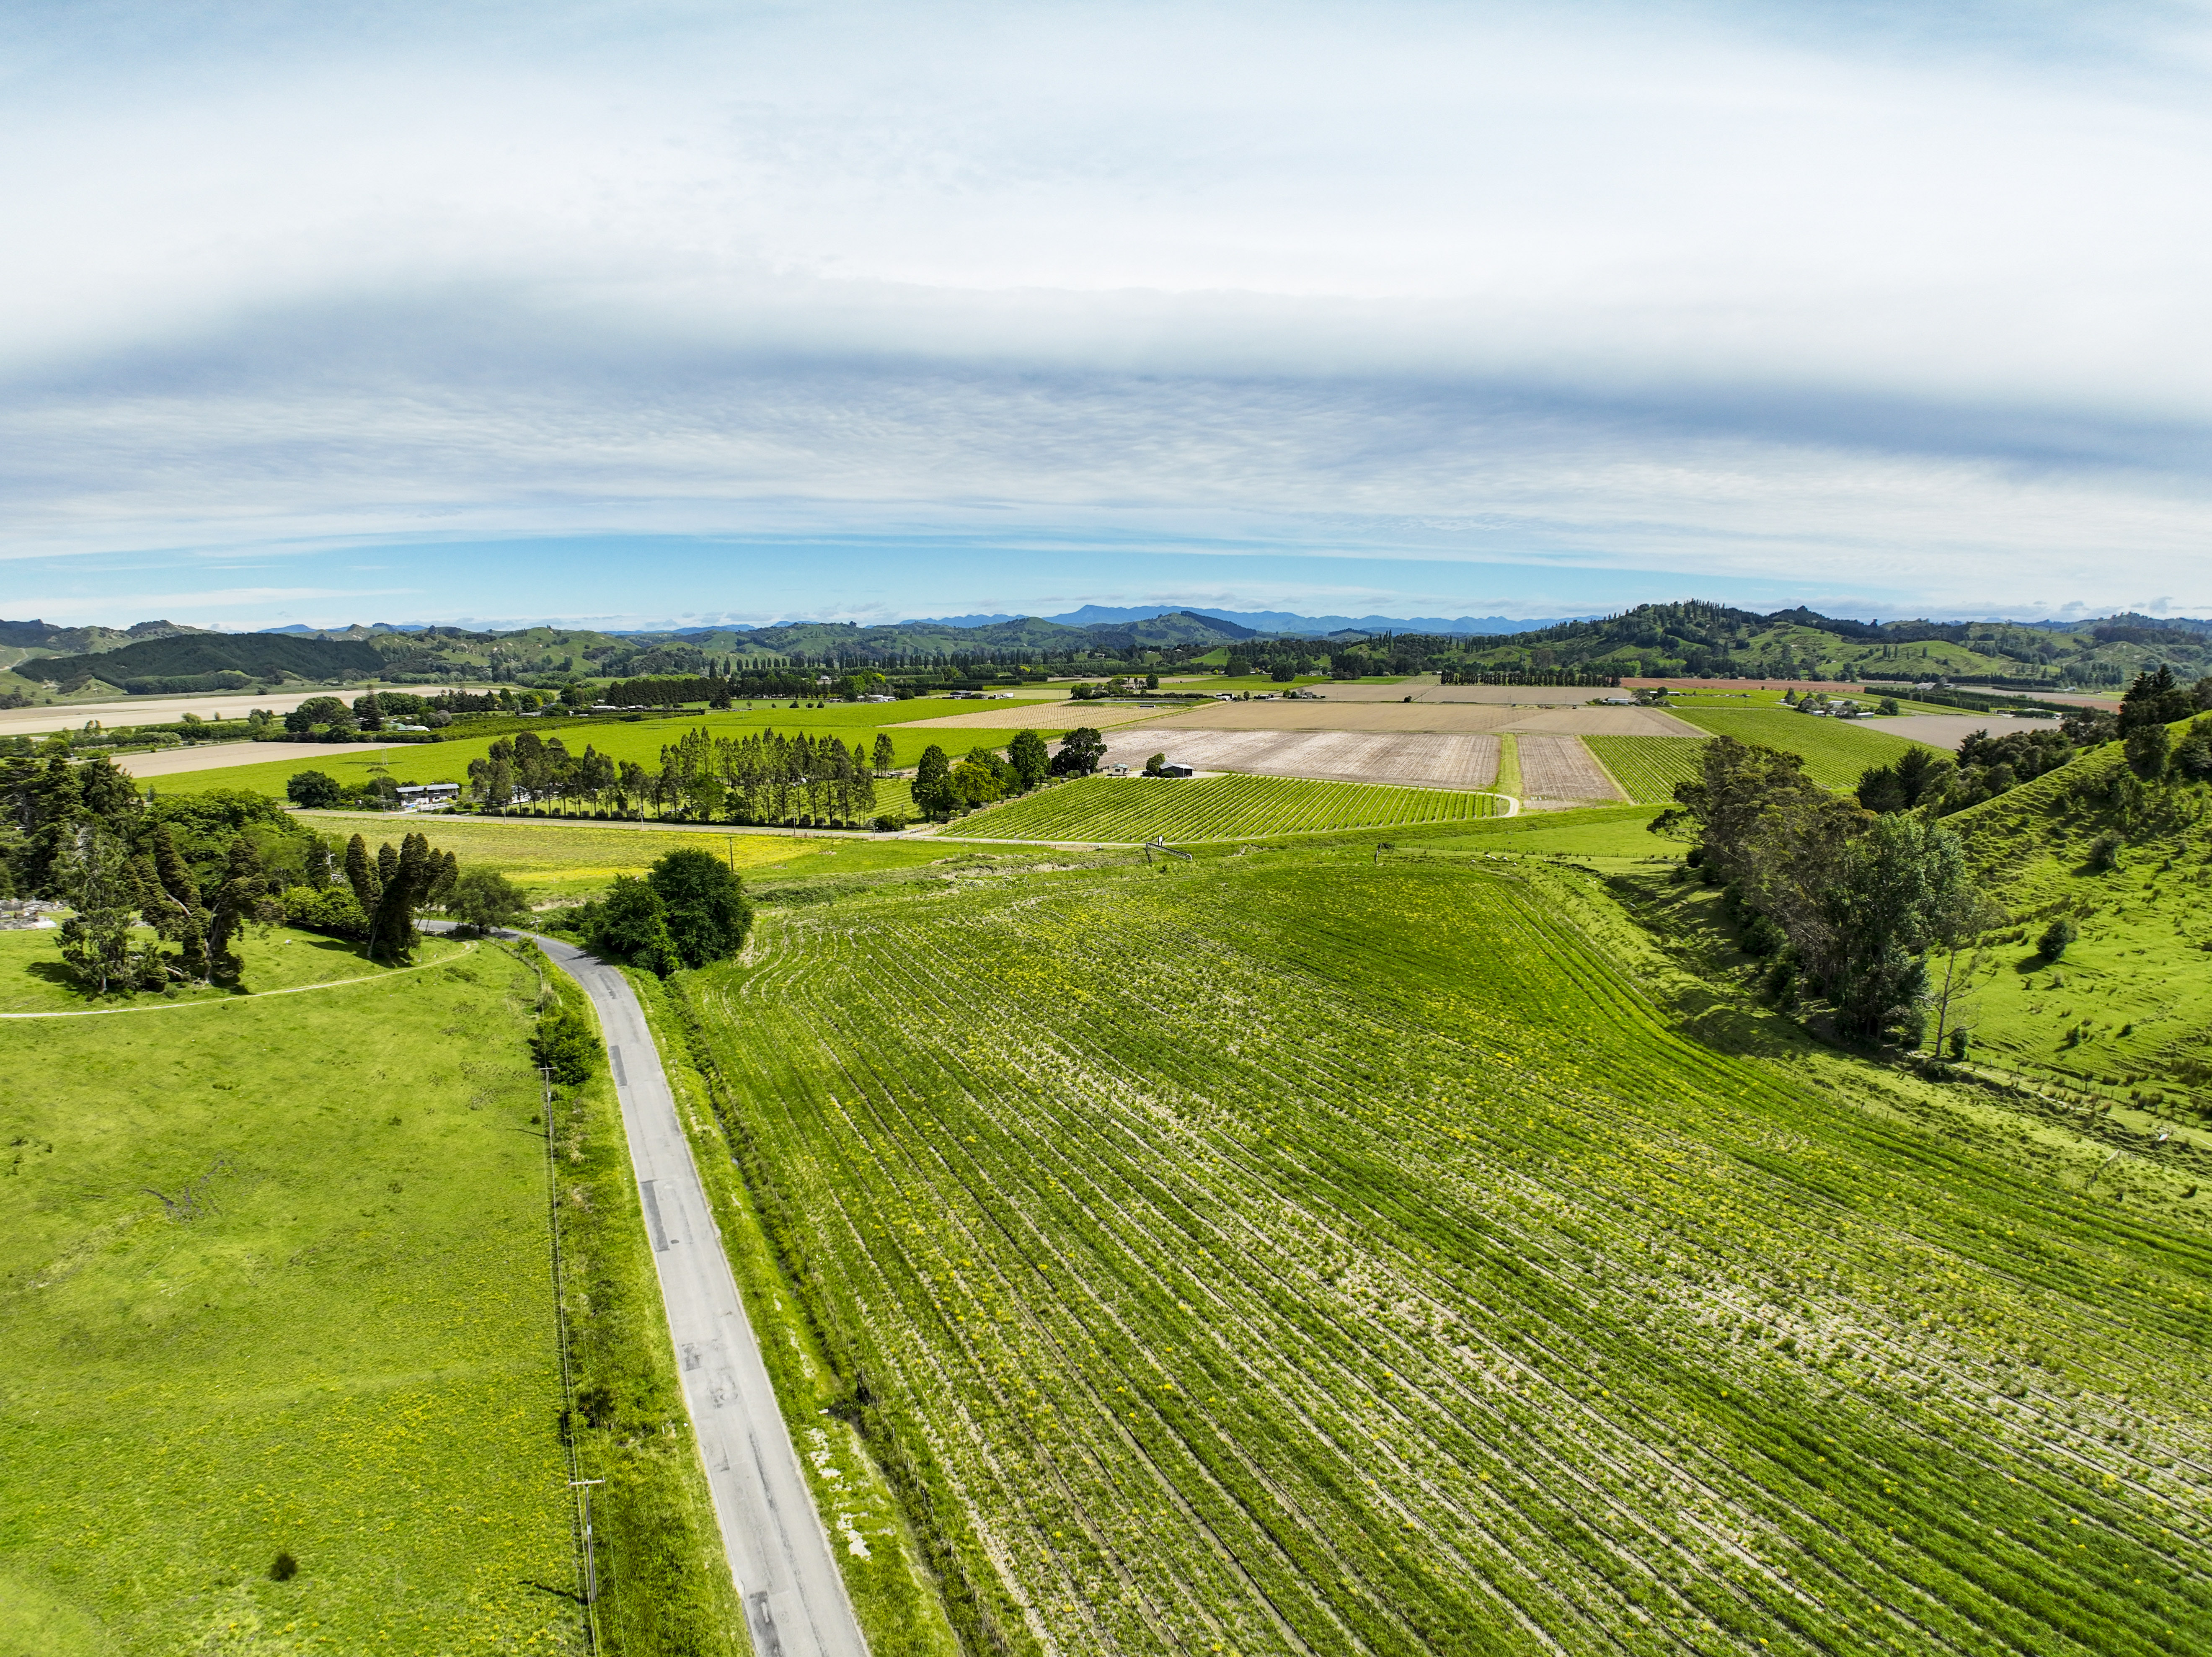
point(1155, 765)
point(483, 899)
point(1031, 759)
point(631, 926)
point(935, 791)
point(982, 777)
point(1080, 750)
point(704, 904)
point(171, 904)
point(319, 710)
point(361, 875)
point(392, 924)
point(242, 899)
point(2192, 756)
point(95, 940)
point(1904, 885)
point(315, 790)
point(2056, 937)
point(2155, 699)
point(884, 753)
point(2146, 750)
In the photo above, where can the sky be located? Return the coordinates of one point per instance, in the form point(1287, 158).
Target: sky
point(652, 313)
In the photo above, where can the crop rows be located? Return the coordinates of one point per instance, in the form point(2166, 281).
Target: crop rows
point(1648, 767)
point(1128, 809)
point(1365, 1269)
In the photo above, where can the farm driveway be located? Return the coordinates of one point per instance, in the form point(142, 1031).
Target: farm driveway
point(794, 1598)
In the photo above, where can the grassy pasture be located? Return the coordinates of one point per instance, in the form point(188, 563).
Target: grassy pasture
point(1375, 1269)
point(551, 858)
point(1836, 751)
point(33, 978)
point(1648, 767)
point(1236, 807)
point(346, 1353)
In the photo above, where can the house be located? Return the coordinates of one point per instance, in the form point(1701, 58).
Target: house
point(414, 796)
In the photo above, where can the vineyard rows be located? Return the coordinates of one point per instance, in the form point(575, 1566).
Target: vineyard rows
point(1287, 1256)
point(1648, 767)
point(1131, 808)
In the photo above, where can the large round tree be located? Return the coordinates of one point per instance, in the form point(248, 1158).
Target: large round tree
point(705, 903)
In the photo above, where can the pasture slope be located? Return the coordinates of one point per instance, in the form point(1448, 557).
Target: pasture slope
point(1285, 1254)
point(1128, 810)
point(276, 1280)
point(1836, 751)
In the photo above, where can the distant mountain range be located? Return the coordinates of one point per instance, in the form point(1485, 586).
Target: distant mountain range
point(1272, 621)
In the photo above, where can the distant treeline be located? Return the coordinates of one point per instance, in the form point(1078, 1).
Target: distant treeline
point(1555, 678)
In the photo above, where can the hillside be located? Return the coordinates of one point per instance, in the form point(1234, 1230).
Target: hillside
point(2125, 1010)
point(1699, 640)
point(256, 656)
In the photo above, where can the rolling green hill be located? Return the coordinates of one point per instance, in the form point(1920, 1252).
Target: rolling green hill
point(258, 656)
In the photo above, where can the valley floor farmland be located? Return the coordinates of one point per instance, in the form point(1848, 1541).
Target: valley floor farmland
point(1126, 810)
point(1372, 1269)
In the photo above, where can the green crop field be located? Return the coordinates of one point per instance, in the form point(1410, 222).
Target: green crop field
point(1289, 1254)
point(553, 857)
point(622, 740)
point(1126, 810)
point(1648, 767)
point(331, 1334)
point(1836, 751)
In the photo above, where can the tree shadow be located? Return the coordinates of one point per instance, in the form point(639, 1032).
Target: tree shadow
point(568, 1594)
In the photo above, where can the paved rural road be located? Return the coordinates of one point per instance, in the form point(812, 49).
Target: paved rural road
point(794, 1598)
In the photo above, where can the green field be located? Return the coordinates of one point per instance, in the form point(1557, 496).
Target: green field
point(1602, 831)
point(640, 743)
point(1648, 767)
point(1126, 810)
point(1836, 751)
point(33, 978)
point(551, 858)
point(347, 1353)
point(1288, 1255)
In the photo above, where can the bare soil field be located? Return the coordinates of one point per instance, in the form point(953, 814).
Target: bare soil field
point(174, 761)
point(1432, 717)
point(163, 710)
point(1949, 730)
point(1040, 716)
point(1559, 769)
point(1425, 761)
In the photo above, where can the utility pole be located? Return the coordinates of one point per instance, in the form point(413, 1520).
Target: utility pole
point(591, 1559)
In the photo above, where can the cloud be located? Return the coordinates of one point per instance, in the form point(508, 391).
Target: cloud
point(1856, 295)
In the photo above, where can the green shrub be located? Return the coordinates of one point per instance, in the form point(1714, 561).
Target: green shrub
point(2056, 936)
point(565, 1044)
point(2105, 851)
